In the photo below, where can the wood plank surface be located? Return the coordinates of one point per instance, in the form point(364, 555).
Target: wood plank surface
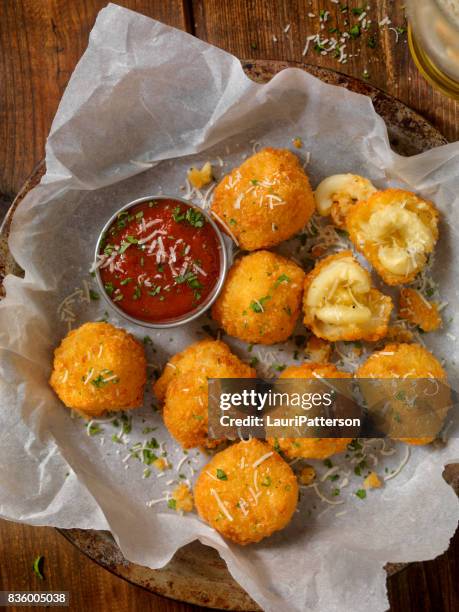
point(40, 43)
point(431, 586)
point(256, 29)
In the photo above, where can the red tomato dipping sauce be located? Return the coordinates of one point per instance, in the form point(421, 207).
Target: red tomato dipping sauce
point(159, 260)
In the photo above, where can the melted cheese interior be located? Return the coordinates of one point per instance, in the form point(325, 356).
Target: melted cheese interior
point(402, 237)
point(338, 294)
point(343, 188)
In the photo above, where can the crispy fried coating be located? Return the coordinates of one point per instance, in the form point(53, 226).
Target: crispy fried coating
point(314, 370)
point(417, 310)
point(261, 299)
point(405, 361)
point(311, 448)
point(203, 356)
point(265, 201)
point(401, 361)
point(318, 350)
point(395, 230)
point(99, 367)
point(340, 304)
point(246, 492)
point(184, 388)
point(399, 334)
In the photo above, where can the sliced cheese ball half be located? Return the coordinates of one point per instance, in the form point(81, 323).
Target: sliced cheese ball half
point(340, 304)
point(395, 230)
point(338, 193)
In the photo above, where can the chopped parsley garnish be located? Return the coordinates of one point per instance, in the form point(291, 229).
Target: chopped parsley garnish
point(38, 566)
point(357, 11)
point(253, 362)
point(355, 31)
point(279, 367)
point(221, 475)
point(148, 456)
point(137, 293)
point(94, 295)
point(109, 288)
point(94, 429)
point(283, 278)
point(154, 291)
point(124, 246)
point(371, 42)
point(266, 482)
point(178, 215)
point(125, 281)
point(257, 305)
point(195, 218)
point(361, 493)
point(328, 463)
point(172, 504)
point(101, 381)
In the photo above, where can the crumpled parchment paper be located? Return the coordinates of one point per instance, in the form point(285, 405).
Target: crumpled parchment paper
point(144, 103)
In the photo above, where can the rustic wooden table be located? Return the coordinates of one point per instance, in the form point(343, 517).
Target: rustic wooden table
point(40, 43)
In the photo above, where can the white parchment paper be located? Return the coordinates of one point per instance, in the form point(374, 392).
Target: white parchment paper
point(144, 103)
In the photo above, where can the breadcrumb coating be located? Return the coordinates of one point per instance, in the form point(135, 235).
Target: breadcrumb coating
point(261, 299)
point(246, 492)
point(265, 201)
point(99, 368)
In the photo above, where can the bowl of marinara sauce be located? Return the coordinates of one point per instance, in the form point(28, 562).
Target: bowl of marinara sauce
point(160, 261)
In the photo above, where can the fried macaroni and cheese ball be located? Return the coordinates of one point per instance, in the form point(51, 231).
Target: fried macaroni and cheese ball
point(202, 357)
point(405, 361)
point(99, 367)
point(265, 201)
point(261, 299)
point(395, 230)
point(311, 448)
point(337, 194)
point(185, 388)
point(340, 304)
point(246, 492)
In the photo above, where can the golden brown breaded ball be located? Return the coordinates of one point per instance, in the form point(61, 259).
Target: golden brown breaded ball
point(265, 201)
point(185, 407)
point(395, 230)
point(311, 448)
point(340, 304)
point(261, 299)
point(201, 358)
point(246, 492)
point(99, 368)
point(405, 361)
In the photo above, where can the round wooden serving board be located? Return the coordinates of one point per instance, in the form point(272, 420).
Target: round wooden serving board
point(197, 574)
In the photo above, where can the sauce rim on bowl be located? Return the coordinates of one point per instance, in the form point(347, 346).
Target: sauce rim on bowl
point(212, 292)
